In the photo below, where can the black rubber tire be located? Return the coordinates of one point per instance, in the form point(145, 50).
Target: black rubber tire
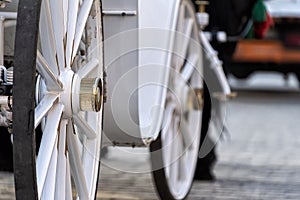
point(158, 173)
point(24, 152)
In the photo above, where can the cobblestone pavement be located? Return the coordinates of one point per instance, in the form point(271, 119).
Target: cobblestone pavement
point(260, 160)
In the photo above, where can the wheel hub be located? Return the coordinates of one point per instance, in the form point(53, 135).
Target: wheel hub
point(66, 95)
point(195, 99)
point(78, 94)
point(190, 98)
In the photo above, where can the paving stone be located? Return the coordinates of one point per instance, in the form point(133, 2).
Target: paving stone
point(260, 160)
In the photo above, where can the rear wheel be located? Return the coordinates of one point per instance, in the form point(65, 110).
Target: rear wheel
point(58, 98)
point(174, 154)
point(204, 169)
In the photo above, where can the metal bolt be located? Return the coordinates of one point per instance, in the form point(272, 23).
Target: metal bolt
point(202, 5)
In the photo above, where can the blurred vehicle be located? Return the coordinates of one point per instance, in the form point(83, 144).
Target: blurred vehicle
point(229, 18)
point(279, 50)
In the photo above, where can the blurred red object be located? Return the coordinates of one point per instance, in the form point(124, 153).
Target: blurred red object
point(261, 28)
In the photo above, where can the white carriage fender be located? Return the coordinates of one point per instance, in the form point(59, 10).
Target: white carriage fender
point(157, 22)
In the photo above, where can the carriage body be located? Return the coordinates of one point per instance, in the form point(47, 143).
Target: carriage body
point(137, 46)
point(128, 28)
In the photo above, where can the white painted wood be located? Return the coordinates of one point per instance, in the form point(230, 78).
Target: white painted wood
point(68, 179)
point(80, 24)
point(47, 145)
point(190, 66)
point(47, 39)
point(61, 171)
point(85, 128)
point(48, 191)
point(44, 69)
point(57, 16)
point(88, 68)
point(72, 14)
point(76, 164)
point(42, 109)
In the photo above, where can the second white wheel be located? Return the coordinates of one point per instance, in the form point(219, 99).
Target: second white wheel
point(175, 153)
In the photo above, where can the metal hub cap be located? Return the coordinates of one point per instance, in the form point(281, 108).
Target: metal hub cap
point(77, 94)
point(90, 94)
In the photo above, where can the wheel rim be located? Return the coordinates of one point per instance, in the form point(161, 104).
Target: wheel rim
point(69, 99)
point(180, 135)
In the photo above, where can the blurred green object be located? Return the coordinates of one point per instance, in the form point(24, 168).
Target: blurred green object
point(259, 13)
point(261, 21)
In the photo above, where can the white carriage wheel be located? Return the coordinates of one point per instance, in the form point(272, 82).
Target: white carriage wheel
point(174, 154)
point(68, 98)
